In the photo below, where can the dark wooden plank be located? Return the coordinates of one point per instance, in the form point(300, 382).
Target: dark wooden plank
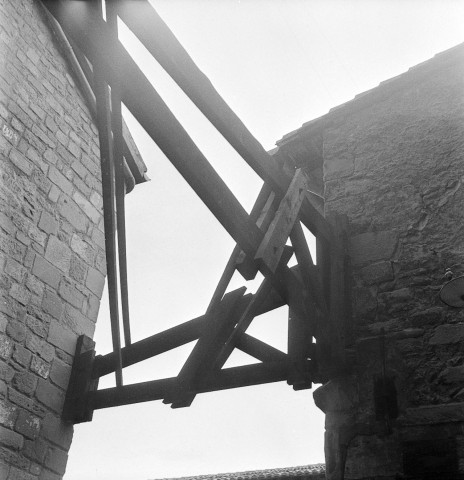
point(107, 167)
point(120, 187)
point(221, 321)
point(77, 406)
point(237, 259)
point(92, 36)
point(260, 350)
point(151, 346)
point(234, 377)
point(154, 34)
point(246, 265)
point(272, 246)
point(309, 272)
point(252, 310)
point(299, 350)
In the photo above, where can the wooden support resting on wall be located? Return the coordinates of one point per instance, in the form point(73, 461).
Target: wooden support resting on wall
point(316, 294)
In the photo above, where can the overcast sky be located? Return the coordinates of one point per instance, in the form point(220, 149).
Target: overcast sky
point(278, 63)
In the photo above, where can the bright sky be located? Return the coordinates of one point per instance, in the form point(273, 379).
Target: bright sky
point(278, 63)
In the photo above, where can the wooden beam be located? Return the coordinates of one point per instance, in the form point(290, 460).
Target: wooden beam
point(272, 246)
point(155, 35)
point(221, 321)
point(260, 350)
point(120, 188)
point(249, 313)
point(154, 345)
point(234, 377)
point(263, 214)
point(309, 272)
point(299, 349)
point(107, 167)
point(238, 259)
point(92, 36)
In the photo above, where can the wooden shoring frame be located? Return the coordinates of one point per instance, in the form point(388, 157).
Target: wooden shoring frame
point(317, 301)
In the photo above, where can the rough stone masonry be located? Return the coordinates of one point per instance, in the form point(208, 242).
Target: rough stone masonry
point(52, 258)
point(391, 160)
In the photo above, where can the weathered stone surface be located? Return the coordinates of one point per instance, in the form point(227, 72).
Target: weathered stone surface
point(448, 334)
point(48, 223)
point(16, 474)
point(78, 270)
point(373, 246)
point(60, 373)
point(72, 213)
point(377, 272)
point(57, 432)
point(52, 304)
point(70, 293)
point(95, 282)
point(82, 248)
point(16, 330)
point(46, 272)
point(37, 345)
point(25, 382)
point(51, 396)
point(433, 414)
point(37, 325)
point(453, 374)
point(21, 355)
point(40, 367)
point(62, 337)
point(28, 425)
point(58, 254)
point(78, 322)
point(87, 207)
point(56, 460)
point(60, 181)
point(8, 414)
point(35, 450)
point(335, 396)
point(6, 347)
point(11, 439)
point(406, 227)
point(21, 162)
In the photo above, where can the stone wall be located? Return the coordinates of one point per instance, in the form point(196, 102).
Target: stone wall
point(51, 241)
point(393, 164)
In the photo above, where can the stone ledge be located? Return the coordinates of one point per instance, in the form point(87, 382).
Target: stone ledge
point(432, 414)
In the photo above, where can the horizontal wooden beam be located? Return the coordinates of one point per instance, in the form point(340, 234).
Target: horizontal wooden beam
point(227, 378)
point(150, 347)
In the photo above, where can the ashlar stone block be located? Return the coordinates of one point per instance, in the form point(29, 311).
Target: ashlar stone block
point(58, 254)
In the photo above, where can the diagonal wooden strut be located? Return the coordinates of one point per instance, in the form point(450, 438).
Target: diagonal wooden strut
point(154, 34)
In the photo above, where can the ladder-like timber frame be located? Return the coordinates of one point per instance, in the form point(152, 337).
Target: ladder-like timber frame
point(317, 296)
